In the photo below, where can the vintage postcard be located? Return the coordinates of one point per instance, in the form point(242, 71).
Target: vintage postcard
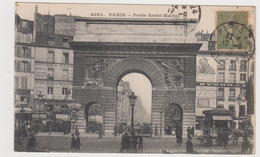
point(97, 78)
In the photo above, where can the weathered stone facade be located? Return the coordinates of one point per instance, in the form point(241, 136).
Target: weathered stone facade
point(171, 68)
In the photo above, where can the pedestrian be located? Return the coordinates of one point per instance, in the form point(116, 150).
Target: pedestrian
point(77, 143)
point(235, 137)
point(115, 130)
point(189, 134)
point(100, 133)
point(192, 131)
point(32, 142)
point(135, 143)
point(140, 142)
point(245, 145)
point(77, 131)
point(179, 138)
point(73, 142)
point(225, 138)
point(208, 139)
point(156, 130)
point(189, 146)
point(124, 142)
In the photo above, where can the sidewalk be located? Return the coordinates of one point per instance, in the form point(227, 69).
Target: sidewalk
point(61, 134)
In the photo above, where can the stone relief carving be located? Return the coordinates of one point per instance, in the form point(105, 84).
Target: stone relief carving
point(173, 71)
point(95, 68)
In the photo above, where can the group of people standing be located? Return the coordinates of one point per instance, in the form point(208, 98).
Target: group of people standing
point(131, 146)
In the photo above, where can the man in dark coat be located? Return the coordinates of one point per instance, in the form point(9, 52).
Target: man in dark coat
point(189, 146)
point(77, 143)
point(225, 138)
point(124, 142)
point(73, 142)
point(140, 142)
point(179, 138)
point(245, 145)
point(192, 131)
point(31, 143)
point(189, 133)
point(100, 133)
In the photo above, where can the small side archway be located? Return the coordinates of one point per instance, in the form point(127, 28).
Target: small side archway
point(173, 118)
point(93, 116)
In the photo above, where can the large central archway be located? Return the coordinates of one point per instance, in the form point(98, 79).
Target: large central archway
point(148, 69)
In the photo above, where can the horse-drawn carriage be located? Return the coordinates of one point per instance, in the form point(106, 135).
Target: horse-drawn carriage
point(219, 125)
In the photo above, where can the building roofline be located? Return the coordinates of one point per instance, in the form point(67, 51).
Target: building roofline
point(160, 21)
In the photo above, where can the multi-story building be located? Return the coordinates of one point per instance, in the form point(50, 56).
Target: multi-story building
point(221, 84)
point(53, 69)
point(24, 62)
point(24, 71)
point(123, 104)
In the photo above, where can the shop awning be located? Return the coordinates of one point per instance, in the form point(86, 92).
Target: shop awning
point(65, 117)
point(27, 109)
point(224, 118)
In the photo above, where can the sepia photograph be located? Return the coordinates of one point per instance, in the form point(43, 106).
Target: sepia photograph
point(134, 78)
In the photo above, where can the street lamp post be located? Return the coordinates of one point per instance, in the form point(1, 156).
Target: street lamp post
point(40, 96)
point(132, 99)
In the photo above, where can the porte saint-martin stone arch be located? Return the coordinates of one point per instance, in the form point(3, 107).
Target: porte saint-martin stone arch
point(102, 56)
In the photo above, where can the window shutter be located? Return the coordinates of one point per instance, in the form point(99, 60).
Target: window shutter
point(18, 51)
point(18, 66)
point(29, 52)
point(29, 67)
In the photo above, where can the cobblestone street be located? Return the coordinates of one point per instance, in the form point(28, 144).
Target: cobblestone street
point(109, 144)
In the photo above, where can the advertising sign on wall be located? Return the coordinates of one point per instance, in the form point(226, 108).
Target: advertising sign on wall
point(206, 69)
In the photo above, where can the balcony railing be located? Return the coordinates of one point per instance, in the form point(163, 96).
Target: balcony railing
point(232, 68)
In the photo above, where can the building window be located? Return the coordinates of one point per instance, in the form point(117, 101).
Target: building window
point(23, 52)
point(232, 108)
point(242, 110)
point(66, 42)
point(243, 65)
point(24, 99)
point(26, 52)
point(232, 78)
point(50, 73)
point(51, 56)
point(232, 66)
point(221, 77)
point(232, 94)
point(242, 77)
point(51, 41)
point(221, 96)
point(24, 24)
point(221, 65)
point(50, 90)
point(22, 66)
point(64, 91)
point(24, 82)
point(243, 92)
point(66, 58)
point(16, 82)
point(65, 74)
